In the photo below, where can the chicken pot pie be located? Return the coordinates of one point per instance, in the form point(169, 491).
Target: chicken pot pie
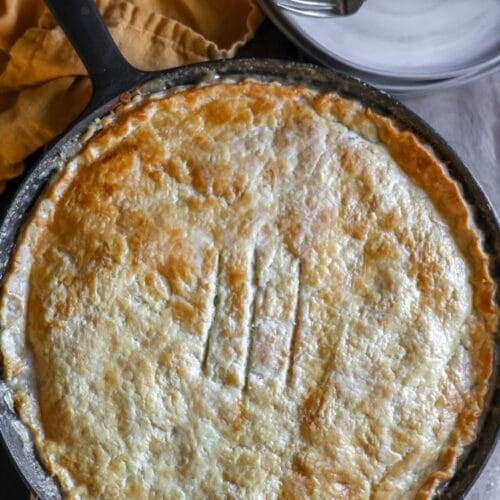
point(248, 290)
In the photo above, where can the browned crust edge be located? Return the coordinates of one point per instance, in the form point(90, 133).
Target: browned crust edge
point(422, 166)
point(415, 159)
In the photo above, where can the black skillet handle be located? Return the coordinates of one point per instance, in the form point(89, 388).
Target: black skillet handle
point(111, 74)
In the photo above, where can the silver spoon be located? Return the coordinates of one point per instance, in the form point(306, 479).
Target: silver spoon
point(321, 8)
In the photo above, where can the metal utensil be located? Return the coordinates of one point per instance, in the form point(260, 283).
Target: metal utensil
point(321, 8)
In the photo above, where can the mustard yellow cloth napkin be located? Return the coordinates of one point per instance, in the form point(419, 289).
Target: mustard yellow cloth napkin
point(43, 84)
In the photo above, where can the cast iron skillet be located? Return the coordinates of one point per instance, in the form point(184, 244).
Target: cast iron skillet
point(113, 78)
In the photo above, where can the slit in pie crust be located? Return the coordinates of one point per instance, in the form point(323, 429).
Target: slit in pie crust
point(249, 290)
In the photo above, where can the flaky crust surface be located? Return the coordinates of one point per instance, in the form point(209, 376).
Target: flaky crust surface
point(254, 291)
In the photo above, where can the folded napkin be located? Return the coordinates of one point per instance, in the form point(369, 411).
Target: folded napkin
point(43, 84)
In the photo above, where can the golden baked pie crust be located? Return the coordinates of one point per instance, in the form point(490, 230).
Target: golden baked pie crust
point(222, 105)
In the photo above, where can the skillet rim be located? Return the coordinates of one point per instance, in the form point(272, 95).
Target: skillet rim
point(21, 194)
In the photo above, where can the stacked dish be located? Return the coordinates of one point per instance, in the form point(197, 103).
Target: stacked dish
point(403, 47)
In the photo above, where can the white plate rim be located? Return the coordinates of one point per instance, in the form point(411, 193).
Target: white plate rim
point(285, 22)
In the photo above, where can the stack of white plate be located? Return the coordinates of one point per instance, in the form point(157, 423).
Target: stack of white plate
point(403, 46)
